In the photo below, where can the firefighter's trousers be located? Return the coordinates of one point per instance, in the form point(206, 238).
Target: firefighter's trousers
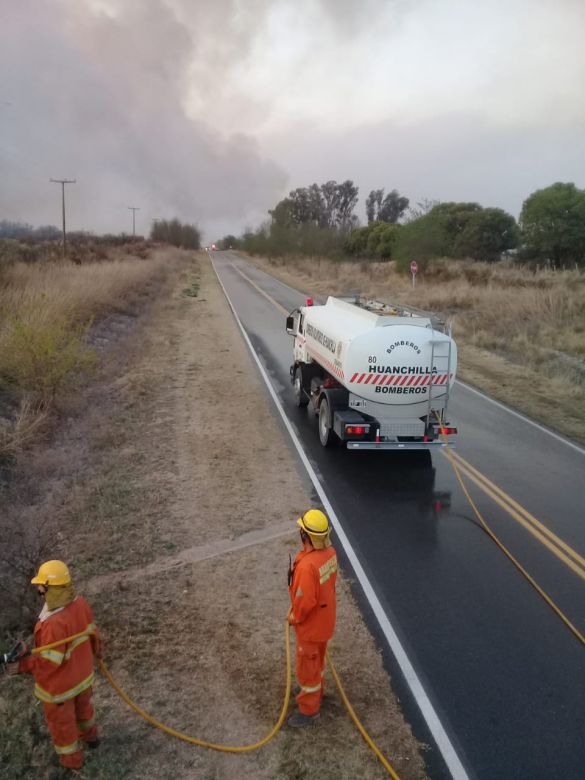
point(71, 723)
point(310, 675)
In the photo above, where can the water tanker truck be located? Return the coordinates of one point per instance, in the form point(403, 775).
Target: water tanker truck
point(378, 375)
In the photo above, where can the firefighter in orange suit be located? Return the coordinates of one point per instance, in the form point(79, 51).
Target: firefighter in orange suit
point(312, 592)
point(64, 675)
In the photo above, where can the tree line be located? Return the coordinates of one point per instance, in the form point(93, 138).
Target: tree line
point(172, 231)
point(22, 231)
point(320, 220)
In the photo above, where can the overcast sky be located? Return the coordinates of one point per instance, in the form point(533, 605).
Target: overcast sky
point(212, 110)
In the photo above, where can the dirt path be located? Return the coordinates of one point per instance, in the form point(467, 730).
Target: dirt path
point(180, 534)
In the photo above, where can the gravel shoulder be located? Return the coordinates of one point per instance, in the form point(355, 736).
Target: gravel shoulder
point(179, 532)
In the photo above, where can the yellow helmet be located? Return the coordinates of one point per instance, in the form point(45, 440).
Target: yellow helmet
point(315, 523)
point(52, 573)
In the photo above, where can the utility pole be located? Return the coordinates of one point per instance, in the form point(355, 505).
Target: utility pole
point(63, 182)
point(134, 209)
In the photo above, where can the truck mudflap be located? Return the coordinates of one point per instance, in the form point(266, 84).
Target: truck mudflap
point(396, 445)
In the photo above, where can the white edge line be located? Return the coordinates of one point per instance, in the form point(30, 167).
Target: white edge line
point(428, 711)
point(522, 417)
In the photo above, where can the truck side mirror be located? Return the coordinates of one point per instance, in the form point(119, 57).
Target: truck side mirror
point(290, 326)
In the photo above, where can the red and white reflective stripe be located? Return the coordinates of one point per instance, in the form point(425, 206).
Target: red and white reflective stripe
point(410, 380)
point(327, 363)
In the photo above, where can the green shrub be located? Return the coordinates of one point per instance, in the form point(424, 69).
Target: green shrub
point(487, 235)
point(421, 240)
point(553, 226)
point(376, 231)
point(356, 242)
point(374, 241)
point(41, 356)
point(456, 230)
point(280, 240)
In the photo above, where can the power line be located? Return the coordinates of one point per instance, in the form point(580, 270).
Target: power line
point(63, 182)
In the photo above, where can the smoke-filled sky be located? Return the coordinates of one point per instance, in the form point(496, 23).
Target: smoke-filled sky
point(211, 110)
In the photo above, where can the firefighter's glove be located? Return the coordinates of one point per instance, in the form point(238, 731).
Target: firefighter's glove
point(12, 668)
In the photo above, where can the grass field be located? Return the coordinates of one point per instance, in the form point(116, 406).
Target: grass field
point(46, 312)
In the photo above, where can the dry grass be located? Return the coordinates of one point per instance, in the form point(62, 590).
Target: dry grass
point(46, 313)
point(80, 249)
point(29, 422)
point(521, 334)
point(80, 292)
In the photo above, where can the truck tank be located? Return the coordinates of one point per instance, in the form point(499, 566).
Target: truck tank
point(381, 353)
point(397, 365)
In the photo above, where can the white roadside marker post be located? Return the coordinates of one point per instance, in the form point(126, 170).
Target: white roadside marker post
point(413, 271)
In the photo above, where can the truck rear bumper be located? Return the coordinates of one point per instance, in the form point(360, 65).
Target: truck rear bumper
point(396, 445)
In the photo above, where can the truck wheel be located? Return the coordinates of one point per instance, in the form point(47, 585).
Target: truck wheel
point(301, 398)
point(326, 434)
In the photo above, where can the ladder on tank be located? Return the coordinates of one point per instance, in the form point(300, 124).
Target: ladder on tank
point(434, 359)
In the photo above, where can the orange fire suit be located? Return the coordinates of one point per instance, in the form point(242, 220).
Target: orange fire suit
point(64, 676)
point(312, 593)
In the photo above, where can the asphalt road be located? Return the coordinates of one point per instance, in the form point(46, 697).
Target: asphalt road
point(502, 671)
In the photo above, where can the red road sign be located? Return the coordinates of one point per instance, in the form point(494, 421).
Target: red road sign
point(413, 267)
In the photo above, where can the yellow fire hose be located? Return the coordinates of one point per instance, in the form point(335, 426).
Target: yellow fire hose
point(484, 525)
point(234, 748)
point(370, 742)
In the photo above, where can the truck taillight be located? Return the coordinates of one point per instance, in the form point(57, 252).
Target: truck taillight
point(447, 431)
point(309, 302)
point(356, 430)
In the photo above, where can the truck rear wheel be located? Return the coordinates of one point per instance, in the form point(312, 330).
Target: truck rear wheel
point(301, 398)
point(326, 434)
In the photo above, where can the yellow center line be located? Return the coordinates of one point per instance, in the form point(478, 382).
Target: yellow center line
point(519, 508)
point(545, 536)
